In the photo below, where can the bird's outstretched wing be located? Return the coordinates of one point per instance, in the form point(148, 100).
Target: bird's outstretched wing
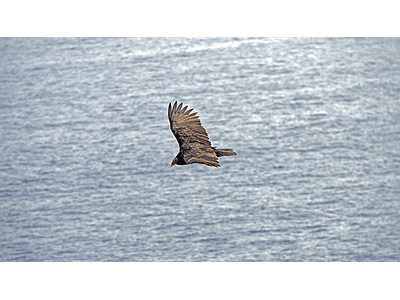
point(191, 136)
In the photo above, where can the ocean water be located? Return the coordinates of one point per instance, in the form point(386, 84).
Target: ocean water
point(85, 149)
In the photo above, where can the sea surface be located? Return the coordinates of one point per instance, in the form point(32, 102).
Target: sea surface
point(85, 149)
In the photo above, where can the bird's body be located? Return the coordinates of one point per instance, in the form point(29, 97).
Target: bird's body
point(194, 145)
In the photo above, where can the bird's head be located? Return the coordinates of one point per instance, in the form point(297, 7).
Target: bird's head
point(174, 162)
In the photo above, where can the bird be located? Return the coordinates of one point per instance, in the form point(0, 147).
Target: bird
point(194, 145)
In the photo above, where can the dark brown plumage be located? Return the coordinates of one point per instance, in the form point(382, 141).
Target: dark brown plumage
point(194, 145)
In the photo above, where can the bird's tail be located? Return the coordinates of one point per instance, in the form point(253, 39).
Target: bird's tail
point(224, 152)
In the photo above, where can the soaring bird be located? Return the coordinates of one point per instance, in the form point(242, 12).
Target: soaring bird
point(194, 145)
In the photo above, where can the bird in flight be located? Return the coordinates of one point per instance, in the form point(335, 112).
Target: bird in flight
point(194, 145)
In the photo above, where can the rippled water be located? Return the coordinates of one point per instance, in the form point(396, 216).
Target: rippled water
point(86, 147)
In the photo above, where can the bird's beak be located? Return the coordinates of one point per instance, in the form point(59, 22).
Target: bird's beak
point(174, 162)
